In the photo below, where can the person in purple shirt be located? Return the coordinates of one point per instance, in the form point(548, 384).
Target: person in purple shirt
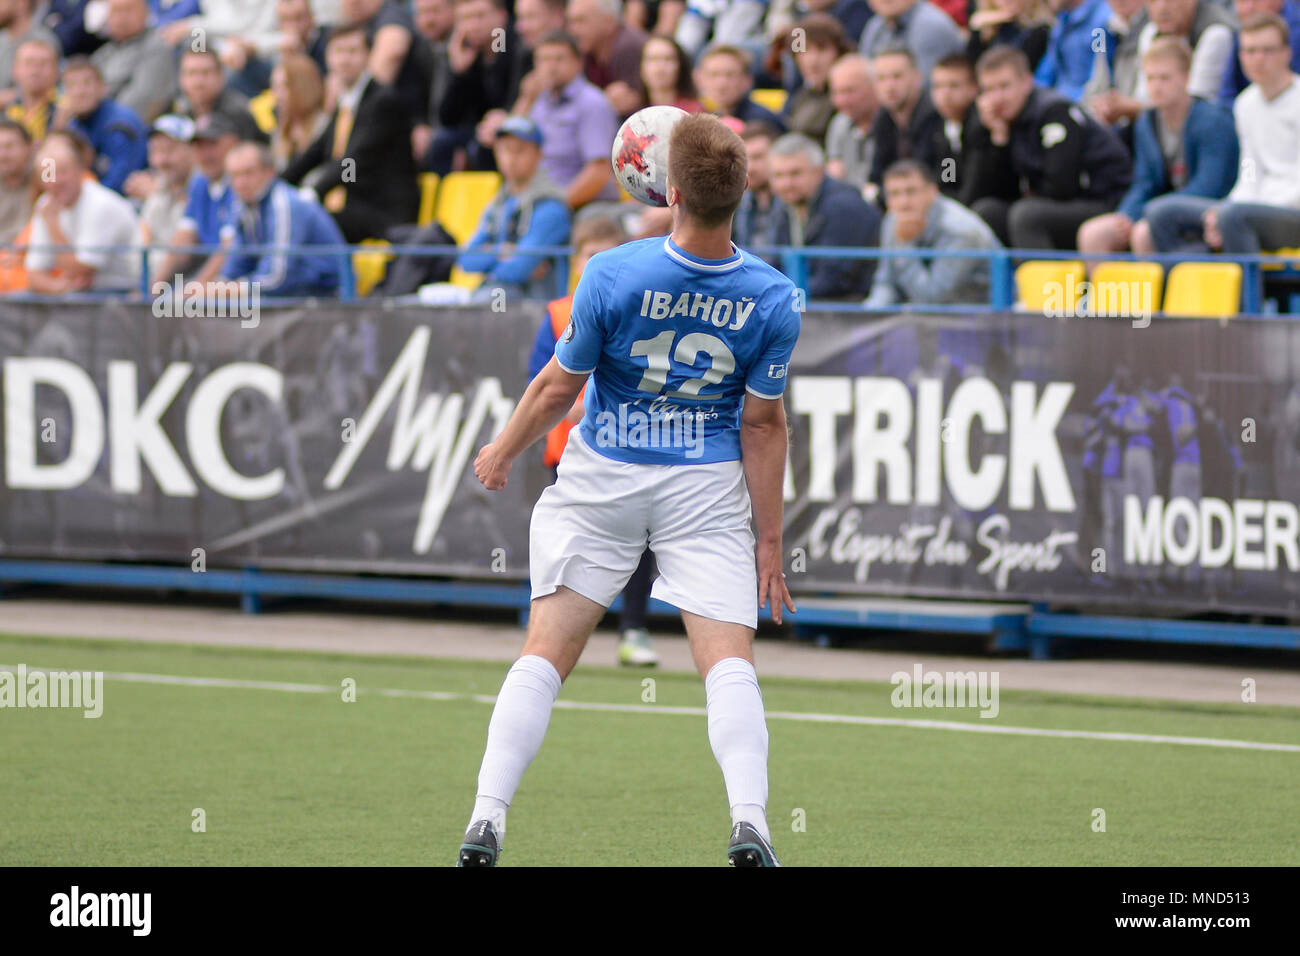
point(577, 122)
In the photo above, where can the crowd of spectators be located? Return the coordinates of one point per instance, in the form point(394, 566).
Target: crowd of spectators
point(212, 130)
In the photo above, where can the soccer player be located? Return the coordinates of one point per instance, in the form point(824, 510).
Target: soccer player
point(687, 340)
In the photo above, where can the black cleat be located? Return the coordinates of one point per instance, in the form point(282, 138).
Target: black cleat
point(480, 847)
point(748, 848)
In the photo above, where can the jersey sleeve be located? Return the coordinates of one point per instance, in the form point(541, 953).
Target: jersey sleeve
point(578, 350)
point(767, 376)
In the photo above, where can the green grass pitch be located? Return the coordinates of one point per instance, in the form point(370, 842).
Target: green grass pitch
point(304, 778)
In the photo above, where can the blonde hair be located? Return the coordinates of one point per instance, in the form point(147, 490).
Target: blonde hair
point(1170, 48)
point(306, 99)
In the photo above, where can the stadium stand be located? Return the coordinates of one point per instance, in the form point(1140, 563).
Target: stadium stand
point(358, 132)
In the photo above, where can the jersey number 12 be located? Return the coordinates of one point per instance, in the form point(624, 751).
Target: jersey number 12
point(656, 350)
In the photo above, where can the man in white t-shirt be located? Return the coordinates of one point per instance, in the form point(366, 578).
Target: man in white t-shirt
point(1262, 212)
point(97, 226)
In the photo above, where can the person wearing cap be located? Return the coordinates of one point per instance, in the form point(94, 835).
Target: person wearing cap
point(272, 214)
point(165, 188)
point(528, 212)
point(118, 135)
point(209, 208)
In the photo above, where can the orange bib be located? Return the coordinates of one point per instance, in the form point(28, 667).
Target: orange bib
point(559, 310)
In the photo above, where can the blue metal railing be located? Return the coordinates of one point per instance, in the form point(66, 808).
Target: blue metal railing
point(794, 261)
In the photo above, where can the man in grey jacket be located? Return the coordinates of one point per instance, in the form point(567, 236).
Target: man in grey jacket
point(136, 64)
point(919, 218)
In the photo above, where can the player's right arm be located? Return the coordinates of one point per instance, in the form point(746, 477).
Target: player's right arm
point(547, 400)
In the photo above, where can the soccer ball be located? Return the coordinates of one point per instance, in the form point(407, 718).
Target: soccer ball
point(640, 154)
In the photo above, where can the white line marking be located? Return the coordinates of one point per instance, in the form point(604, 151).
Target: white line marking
point(690, 711)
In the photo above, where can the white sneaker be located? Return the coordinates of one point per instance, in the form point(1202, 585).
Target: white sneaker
point(636, 650)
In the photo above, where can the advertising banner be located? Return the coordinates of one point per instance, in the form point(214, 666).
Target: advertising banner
point(1082, 461)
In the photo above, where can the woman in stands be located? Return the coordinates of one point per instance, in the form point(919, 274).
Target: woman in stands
point(666, 76)
point(299, 107)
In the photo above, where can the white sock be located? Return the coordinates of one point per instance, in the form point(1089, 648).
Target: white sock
point(515, 733)
point(752, 814)
point(738, 734)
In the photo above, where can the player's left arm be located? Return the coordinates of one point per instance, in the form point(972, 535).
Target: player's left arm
point(764, 441)
point(547, 399)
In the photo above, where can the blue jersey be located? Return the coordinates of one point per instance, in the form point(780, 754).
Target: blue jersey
point(674, 342)
point(209, 210)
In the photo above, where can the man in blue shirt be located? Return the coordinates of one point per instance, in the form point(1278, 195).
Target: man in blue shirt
point(272, 214)
point(528, 212)
point(676, 333)
point(210, 206)
point(1079, 35)
point(117, 133)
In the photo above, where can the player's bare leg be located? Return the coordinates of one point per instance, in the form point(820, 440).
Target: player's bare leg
point(558, 627)
point(723, 654)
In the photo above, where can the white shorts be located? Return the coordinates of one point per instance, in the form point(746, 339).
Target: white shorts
point(590, 528)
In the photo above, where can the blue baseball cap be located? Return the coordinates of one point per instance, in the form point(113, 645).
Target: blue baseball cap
point(521, 127)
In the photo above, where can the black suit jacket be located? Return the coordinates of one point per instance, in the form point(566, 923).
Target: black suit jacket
point(380, 146)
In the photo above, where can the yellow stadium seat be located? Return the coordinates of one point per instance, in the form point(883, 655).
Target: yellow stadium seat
point(462, 197)
point(1292, 254)
point(262, 106)
point(1043, 284)
point(428, 198)
point(466, 280)
point(1204, 289)
point(1147, 274)
point(774, 100)
point(369, 265)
